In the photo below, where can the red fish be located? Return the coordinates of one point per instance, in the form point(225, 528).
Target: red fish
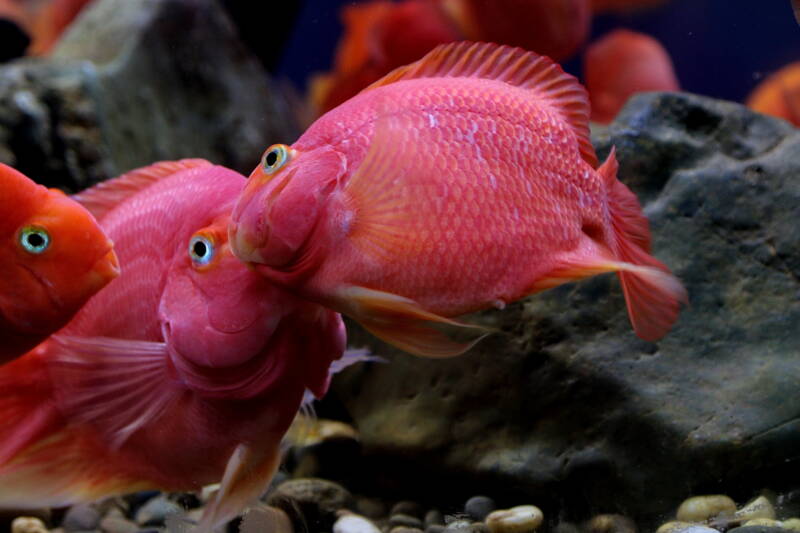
point(186, 370)
point(49, 22)
point(621, 64)
point(463, 181)
point(382, 35)
point(779, 94)
point(378, 37)
point(554, 28)
point(54, 257)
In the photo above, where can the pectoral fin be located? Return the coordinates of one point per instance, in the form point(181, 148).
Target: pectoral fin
point(403, 323)
point(246, 477)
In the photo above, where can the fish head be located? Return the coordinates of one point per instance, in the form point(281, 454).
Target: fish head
point(61, 257)
point(282, 203)
point(229, 331)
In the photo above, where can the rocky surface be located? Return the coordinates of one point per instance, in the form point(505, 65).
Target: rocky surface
point(156, 79)
point(566, 404)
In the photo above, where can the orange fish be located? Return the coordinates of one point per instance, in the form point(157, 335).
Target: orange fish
point(599, 6)
point(621, 64)
point(554, 28)
point(54, 257)
point(378, 37)
point(463, 181)
point(779, 94)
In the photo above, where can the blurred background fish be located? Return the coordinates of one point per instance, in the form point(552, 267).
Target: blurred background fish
point(54, 257)
point(187, 370)
point(779, 94)
point(621, 64)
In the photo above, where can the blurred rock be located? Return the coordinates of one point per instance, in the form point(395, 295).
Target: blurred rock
point(565, 405)
point(28, 524)
point(156, 510)
point(310, 503)
point(81, 517)
point(133, 82)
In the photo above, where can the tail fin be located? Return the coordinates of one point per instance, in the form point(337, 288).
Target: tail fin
point(653, 295)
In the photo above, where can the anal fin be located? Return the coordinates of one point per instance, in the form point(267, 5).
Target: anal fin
point(404, 324)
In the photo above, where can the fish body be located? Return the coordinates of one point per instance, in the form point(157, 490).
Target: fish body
point(187, 371)
point(463, 181)
point(621, 64)
point(53, 258)
point(779, 94)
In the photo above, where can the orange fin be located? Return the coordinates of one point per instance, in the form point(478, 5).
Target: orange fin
point(117, 384)
point(626, 212)
point(652, 294)
point(404, 324)
point(515, 66)
point(247, 476)
point(105, 196)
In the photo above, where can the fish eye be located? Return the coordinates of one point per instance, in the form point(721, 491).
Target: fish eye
point(275, 158)
point(201, 250)
point(34, 239)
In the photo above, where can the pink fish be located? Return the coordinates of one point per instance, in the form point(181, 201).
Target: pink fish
point(54, 257)
point(186, 370)
point(462, 181)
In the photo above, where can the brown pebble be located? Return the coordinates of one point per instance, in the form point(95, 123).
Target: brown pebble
point(519, 519)
point(702, 508)
point(405, 520)
point(403, 529)
point(407, 507)
point(760, 507)
point(611, 523)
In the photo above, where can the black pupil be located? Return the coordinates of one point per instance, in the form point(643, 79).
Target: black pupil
point(200, 249)
point(272, 158)
point(35, 240)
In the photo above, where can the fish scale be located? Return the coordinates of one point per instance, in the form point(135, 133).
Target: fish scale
point(467, 180)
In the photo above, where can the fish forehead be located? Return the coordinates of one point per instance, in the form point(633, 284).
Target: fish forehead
point(151, 231)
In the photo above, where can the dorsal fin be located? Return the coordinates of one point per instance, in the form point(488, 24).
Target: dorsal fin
point(515, 66)
point(103, 197)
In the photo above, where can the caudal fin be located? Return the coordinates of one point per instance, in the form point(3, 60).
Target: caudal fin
point(653, 295)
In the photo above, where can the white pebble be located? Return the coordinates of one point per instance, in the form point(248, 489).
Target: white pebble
point(684, 527)
point(758, 508)
point(353, 523)
point(520, 519)
point(701, 508)
point(28, 524)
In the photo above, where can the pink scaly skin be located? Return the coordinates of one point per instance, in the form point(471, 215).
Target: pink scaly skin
point(185, 371)
point(462, 181)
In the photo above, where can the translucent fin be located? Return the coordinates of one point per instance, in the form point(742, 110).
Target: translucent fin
point(652, 294)
point(515, 66)
point(404, 324)
point(106, 195)
point(246, 477)
point(350, 357)
point(117, 384)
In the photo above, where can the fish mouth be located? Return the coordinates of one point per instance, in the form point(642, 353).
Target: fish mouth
point(105, 269)
point(243, 247)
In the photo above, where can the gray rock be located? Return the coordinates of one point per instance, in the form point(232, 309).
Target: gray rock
point(310, 503)
point(565, 405)
point(81, 517)
point(148, 85)
point(156, 510)
point(478, 507)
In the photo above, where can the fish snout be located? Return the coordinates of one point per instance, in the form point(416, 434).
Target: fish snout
point(244, 245)
point(105, 269)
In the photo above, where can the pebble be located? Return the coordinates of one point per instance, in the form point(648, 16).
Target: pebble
point(433, 517)
point(115, 522)
point(28, 524)
point(478, 507)
point(370, 507)
point(465, 526)
point(760, 507)
point(701, 508)
point(154, 512)
point(757, 529)
point(762, 522)
point(265, 518)
point(520, 519)
point(792, 524)
point(311, 501)
point(611, 523)
point(353, 523)
point(407, 507)
point(405, 520)
point(685, 527)
point(403, 529)
point(81, 517)
point(435, 528)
